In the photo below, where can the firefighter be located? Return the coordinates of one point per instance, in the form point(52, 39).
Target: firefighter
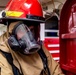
point(21, 52)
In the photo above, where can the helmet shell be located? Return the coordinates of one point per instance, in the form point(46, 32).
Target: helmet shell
point(29, 10)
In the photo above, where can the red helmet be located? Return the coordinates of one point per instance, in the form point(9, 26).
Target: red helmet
point(29, 10)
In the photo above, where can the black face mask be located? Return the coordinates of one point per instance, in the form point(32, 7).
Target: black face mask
point(22, 40)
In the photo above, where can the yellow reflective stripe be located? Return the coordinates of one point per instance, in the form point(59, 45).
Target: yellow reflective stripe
point(13, 13)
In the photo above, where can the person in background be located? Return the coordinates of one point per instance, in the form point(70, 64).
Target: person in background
point(21, 52)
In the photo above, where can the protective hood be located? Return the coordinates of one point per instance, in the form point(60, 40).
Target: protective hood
point(3, 43)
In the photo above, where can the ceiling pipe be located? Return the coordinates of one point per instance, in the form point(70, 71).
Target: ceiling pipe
point(50, 2)
point(53, 4)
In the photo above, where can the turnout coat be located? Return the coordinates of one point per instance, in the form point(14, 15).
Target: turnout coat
point(27, 64)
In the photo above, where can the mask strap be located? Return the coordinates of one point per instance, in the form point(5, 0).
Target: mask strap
point(27, 27)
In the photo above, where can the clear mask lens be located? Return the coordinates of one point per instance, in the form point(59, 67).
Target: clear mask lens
point(26, 40)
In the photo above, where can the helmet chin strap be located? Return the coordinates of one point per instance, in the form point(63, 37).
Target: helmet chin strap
point(7, 33)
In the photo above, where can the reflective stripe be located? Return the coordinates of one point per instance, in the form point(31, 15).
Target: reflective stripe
point(54, 51)
point(53, 45)
point(13, 13)
point(56, 58)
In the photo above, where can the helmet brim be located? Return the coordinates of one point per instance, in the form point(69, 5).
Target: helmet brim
point(10, 19)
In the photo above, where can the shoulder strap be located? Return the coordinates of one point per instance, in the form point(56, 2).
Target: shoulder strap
point(10, 61)
point(44, 59)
